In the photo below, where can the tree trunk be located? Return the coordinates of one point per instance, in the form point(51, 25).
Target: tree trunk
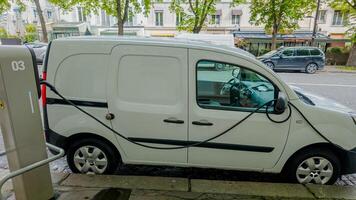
point(197, 29)
point(274, 37)
point(42, 20)
point(352, 57)
point(120, 23)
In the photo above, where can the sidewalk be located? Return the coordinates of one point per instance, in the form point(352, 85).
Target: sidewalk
point(76, 187)
point(334, 69)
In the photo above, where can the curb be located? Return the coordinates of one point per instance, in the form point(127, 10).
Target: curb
point(143, 187)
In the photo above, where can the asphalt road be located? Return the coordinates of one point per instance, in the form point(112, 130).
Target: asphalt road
point(340, 87)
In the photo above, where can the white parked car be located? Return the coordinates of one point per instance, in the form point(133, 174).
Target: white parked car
point(152, 94)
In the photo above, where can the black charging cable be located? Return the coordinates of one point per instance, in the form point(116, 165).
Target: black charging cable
point(268, 105)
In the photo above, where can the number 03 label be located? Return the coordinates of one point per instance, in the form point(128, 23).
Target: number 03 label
point(18, 65)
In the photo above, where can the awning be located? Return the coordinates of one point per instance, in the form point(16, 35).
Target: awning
point(236, 12)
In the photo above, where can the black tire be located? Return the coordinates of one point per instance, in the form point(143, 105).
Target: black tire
point(290, 171)
point(270, 65)
point(313, 68)
point(112, 156)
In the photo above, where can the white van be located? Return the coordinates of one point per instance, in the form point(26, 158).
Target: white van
point(155, 93)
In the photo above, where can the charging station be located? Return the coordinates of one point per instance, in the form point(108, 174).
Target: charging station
point(21, 124)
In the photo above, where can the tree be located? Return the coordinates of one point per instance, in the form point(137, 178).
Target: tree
point(195, 19)
point(31, 33)
point(121, 9)
point(4, 6)
point(42, 20)
point(348, 8)
point(279, 15)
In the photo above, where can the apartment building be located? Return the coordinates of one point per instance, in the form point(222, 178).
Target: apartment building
point(162, 22)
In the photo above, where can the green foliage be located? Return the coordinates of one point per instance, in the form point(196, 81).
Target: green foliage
point(198, 10)
point(4, 6)
point(281, 15)
point(337, 55)
point(121, 9)
point(31, 33)
point(3, 33)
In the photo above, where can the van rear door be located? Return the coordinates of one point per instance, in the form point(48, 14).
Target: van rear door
point(147, 93)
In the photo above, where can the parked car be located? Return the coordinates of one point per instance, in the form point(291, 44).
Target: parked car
point(40, 51)
point(308, 59)
point(165, 94)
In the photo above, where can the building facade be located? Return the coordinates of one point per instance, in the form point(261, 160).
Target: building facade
point(160, 21)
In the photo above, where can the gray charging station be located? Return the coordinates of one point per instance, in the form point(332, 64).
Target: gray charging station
point(21, 124)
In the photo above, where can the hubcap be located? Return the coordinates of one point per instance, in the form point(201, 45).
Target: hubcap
point(316, 170)
point(90, 159)
point(269, 65)
point(312, 68)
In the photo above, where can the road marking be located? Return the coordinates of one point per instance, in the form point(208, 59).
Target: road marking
point(322, 84)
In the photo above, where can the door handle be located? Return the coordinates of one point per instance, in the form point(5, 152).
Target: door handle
point(202, 123)
point(173, 121)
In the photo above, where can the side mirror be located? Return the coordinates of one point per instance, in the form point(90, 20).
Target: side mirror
point(281, 104)
point(281, 55)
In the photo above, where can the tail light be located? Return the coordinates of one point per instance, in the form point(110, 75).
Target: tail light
point(44, 90)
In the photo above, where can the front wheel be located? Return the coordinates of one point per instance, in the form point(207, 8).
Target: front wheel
point(317, 166)
point(270, 65)
point(311, 68)
point(93, 156)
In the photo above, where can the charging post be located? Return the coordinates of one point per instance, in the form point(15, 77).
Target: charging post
point(21, 124)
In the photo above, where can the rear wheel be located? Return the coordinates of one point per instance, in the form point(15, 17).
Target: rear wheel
point(93, 156)
point(311, 68)
point(317, 166)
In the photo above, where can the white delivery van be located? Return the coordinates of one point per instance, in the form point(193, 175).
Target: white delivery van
point(153, 94)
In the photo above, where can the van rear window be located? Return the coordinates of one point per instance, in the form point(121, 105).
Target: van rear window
point(303, 52)
point(314, 52)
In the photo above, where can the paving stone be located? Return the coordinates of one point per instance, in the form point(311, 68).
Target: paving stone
point(58, 177)
point(134, 182)
point(333, 191)
point(251, 188)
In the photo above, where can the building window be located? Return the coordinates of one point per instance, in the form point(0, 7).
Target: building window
point(35, 13)
point(322, 17)
point(215, 19)
point(159, 18)
point(179, 18)
point(129, 21)
point(49, 14)
point(235, 19)
point(339, 18)
point(81, 15)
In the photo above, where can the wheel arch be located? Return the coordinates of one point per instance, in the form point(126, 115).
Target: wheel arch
point(327, 146)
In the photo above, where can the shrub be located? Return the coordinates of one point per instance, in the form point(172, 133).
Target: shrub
point(3, 33)
point(31, 33)
point(337, 55)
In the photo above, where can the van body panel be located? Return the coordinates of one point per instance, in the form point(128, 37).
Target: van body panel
point(270, 134)
point(147, 85)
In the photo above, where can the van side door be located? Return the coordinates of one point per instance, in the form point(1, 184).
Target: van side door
point(147, 92)
point(219, 100)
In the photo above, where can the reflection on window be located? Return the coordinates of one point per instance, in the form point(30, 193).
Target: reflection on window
point(230, 87)
point(288, 52)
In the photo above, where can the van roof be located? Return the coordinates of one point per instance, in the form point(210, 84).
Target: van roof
point(177, 42)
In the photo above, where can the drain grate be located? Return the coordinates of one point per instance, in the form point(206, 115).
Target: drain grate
point(113, 194)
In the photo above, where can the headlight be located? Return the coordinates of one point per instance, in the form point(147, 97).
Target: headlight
point(353, 115)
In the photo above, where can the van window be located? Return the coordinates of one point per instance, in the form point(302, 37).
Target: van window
point(155, 80)
point(303, 52)
point(288, 52)
point(314, 52)
point(230, 87)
